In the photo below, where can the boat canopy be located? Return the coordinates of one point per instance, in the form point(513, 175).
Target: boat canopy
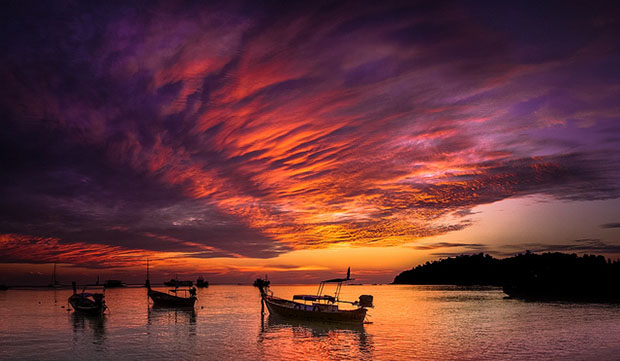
point(314, 298)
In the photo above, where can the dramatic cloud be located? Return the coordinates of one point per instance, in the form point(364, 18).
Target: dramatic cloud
point(16, 248)
point(249, 129)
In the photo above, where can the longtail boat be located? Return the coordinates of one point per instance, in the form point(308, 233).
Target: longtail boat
point(91, 303)
point(173, 298)
point(319, 307)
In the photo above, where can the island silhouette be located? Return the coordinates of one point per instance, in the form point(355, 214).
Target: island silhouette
point(547, 276)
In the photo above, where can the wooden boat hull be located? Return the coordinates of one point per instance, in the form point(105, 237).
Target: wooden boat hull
point(89, 310)
point(162, 299)
point(86, 306)
point(289, 309)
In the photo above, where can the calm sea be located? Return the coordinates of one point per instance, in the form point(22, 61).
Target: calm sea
point(408, 322)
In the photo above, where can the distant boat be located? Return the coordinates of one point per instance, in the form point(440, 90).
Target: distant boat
point(262, 282)
point(318, 307)
point(173, 298)
point(113, 284)
point(200, 282)
point(176, 283)
point(91, 303)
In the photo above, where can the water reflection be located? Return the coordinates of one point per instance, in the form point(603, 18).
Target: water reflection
point(173, 330)
point(82, 323)
point(322, 340)
point(165, 315)
point(430, 323)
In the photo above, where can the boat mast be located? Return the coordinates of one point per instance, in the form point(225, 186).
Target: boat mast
point(147, 283)
point(54, 282)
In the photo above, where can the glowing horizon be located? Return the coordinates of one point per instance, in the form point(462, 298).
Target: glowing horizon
point(300, 139)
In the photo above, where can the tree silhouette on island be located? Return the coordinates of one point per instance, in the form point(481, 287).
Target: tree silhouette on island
point(547, 276)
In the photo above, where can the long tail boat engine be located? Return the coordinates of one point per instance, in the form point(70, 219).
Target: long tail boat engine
point(365, 301)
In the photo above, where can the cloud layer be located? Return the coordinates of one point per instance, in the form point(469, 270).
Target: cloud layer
point(243, 130)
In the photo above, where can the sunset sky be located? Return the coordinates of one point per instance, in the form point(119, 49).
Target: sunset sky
point(295, 139)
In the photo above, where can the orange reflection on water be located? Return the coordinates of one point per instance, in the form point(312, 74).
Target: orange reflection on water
point(302, 340)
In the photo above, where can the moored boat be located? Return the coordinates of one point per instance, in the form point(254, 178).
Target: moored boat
point(178, 297)
point(173, 298)
point(91, 303)
point(113, 284)
point(319, 307)
point(176, 283)
point(200, 282)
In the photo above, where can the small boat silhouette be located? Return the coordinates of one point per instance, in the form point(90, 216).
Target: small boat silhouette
point(172, 298)
point(200, 282)
point(318, 307)
point(91, 303)
point(113, 284)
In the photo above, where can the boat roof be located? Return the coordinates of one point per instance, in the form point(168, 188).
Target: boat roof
point(313, 298)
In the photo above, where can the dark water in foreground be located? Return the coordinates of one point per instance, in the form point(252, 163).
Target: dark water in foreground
point(409, 322)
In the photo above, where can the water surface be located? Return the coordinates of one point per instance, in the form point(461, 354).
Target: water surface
point(408, 322)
